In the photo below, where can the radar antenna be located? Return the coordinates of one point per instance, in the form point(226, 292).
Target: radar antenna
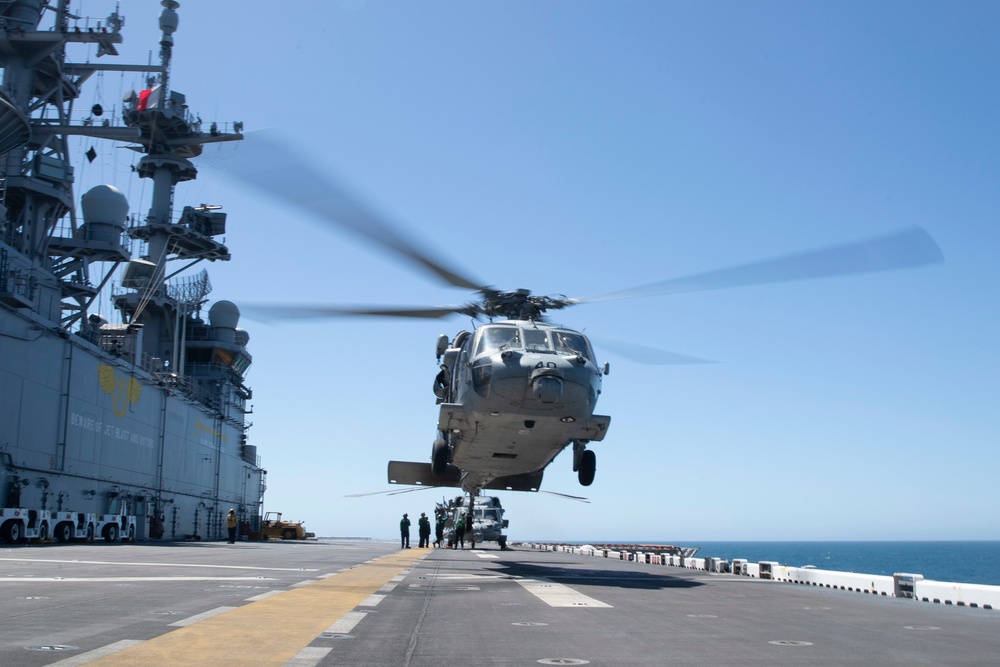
point(191, 291)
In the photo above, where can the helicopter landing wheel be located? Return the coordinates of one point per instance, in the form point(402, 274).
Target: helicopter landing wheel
point(439, 457)
point(588, 467)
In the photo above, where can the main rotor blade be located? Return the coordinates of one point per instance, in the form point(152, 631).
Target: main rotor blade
point(565, 495)
point(903, 249)
point(268, 313)
point(643, 354)
point(370, 493)
point(267, 163)
point(390, 492)
point(412, 489)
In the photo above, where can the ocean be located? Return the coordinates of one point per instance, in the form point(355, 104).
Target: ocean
point(961, 562)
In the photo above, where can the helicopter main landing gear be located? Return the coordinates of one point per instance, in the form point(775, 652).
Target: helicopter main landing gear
point(584, 462)
point(439, 456)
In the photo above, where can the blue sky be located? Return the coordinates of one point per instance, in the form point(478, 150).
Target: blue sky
point(581, 147)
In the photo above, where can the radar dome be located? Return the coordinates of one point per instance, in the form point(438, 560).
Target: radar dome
point(242, 337)
point(104, 203)
point(224, 314)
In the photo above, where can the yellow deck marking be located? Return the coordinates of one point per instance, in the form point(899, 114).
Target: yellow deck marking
point(271, 631)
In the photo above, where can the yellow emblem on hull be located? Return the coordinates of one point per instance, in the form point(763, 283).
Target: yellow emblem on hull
point(124, 391)
point(198, 426)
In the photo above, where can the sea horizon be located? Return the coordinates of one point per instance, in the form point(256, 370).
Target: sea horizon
point(958, 561)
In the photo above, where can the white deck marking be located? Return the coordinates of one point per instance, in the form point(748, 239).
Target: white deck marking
point(212, 565)
point(371, 600)
point(310, 656)
point(449, 582)
point(557, 595)
point(303, 583)
point(486, 555)
point(387, 588)
point(347, 622)
point(268, 594)
point(89, 656)
point(191, 620)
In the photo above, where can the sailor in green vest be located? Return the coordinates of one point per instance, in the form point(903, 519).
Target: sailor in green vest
point(404, 532)
point(424, 530)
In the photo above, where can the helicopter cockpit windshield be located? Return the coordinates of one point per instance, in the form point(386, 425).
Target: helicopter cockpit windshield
point(497, 337)
point(536, 340)
point(500, 337)
point(570, 342)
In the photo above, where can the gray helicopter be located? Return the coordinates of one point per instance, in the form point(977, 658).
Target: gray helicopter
point(518, 390)
point(513, 394)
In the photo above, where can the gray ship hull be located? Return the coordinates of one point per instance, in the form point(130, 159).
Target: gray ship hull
point(368, 603)
point(83, 441)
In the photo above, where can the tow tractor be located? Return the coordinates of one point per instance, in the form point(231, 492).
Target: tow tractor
point(18, 524)
point(115, 527)
point(272, 527)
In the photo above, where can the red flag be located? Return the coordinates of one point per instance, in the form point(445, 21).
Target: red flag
point(143, 100)
point(148, 99)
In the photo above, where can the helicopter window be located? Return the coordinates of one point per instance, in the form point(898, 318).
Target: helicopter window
point(497, 338)
point(567, 342)
point(535, 340)
point(482, 373)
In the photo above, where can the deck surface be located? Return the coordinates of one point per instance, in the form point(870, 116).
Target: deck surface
point(368, 603)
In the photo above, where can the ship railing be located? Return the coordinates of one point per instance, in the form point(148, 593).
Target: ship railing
point(209, 369)
point(166, 377)
point(201, 334)
point(191, 388)
point(119, 343)
point(10, 237)
point(84, 232)
point(15, 284)
point(127, 117)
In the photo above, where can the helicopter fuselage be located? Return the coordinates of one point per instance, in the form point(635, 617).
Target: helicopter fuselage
point(514, 395)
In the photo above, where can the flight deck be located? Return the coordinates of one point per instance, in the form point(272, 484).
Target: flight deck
point(369, 603)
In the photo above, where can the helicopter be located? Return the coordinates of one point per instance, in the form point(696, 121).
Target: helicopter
point(518, 390)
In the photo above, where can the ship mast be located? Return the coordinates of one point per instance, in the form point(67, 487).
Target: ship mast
point(38, 92)
point(36, 119)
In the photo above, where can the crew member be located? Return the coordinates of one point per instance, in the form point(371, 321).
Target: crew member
point(231, 522)
point(460, 532)
point(424, 530)
point(439, 530)
point(468, 530)
point(404, 532)
point(441, 383)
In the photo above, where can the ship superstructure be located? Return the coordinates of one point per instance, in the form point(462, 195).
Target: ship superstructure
point(103, 421)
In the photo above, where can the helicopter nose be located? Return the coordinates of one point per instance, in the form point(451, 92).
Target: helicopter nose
point(547, 388)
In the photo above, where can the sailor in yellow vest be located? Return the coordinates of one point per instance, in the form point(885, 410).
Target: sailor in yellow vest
point(231, 522)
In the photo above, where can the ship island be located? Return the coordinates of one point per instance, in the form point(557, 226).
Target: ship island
point(134, 429)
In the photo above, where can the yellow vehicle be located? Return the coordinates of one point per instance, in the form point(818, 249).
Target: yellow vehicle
point(272, 528)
